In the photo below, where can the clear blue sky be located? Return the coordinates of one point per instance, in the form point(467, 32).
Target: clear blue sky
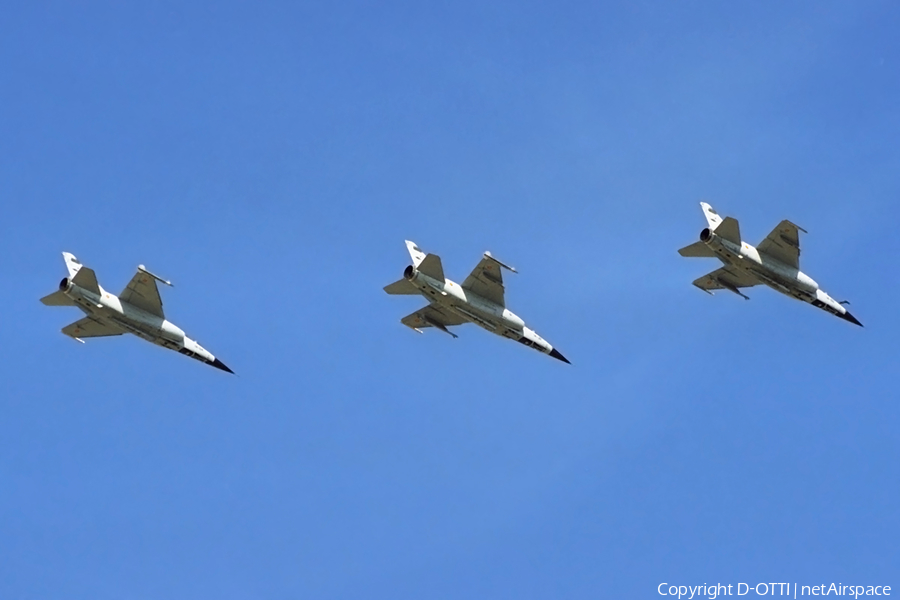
point(270, 159)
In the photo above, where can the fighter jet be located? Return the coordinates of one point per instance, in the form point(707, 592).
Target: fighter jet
point(137, 310)
point(776, 263)
point(478, 300)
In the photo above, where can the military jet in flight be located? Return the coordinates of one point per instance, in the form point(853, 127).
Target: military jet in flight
point(776, 263)
point(137, 310)
point(478, 300)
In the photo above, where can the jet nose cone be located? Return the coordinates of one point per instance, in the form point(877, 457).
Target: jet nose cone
point(848, 317)
point(220, 365)
point(555, 354)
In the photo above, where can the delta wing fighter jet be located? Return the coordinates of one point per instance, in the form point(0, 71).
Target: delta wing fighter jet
point(776, 263)
point(137, 310)
point(478, 300)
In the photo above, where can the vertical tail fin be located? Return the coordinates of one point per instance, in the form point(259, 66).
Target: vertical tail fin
point(72, 263)
point(712, 217)
point(81, 275)
point(417, 255)
point(726, 228)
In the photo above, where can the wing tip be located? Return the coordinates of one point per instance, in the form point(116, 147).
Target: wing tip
point(487, 254)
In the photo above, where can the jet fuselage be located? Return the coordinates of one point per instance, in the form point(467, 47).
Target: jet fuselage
point(486, 314)
point(778, 276)
point(106, 307)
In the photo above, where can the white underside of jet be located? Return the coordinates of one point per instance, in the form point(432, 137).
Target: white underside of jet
point(776, 263)
point(138, 311)
point(479, 300)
